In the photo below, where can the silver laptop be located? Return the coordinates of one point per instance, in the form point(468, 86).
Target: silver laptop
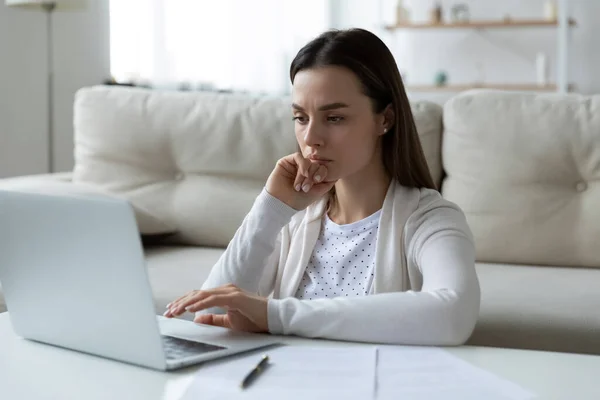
point(74, 275)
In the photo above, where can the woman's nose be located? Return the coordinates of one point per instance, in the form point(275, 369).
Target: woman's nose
point(313, 136)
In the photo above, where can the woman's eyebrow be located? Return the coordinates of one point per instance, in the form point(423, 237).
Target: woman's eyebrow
point(326, 107)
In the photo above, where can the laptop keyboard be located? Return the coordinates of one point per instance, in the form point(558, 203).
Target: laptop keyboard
point(176, 348)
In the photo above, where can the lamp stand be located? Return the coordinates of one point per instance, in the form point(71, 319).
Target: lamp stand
point(49, 8)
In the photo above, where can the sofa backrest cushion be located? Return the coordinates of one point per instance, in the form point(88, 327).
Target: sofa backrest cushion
point(194, 160)
point(525, 168)
point(53, 184)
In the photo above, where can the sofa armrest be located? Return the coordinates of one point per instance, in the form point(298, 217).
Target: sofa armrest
point(23, 180)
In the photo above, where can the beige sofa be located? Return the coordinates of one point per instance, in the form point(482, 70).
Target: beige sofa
point(525, 169)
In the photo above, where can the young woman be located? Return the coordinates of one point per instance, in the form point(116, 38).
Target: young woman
point(349, 239)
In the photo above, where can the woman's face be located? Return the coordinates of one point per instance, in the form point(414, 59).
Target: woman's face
point(334, 121)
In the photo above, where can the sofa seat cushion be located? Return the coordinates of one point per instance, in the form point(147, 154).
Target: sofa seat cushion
point(540, 308)
point(176, 270)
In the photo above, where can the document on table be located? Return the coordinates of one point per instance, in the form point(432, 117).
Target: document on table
point(431, 373)
point(295, 372)
point(352, 372)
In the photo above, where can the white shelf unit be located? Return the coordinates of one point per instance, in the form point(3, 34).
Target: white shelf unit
point(563, 25)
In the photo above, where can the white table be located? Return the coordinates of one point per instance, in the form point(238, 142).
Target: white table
point(30, 370)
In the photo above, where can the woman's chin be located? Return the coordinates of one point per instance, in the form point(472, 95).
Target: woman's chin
point(331, 178)
point(334, 175)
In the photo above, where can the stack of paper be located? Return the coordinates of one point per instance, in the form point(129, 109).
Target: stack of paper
point(353, 372)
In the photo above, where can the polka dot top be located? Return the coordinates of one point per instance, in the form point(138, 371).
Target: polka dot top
point(342, 260)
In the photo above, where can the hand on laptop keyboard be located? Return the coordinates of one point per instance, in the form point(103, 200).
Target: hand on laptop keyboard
point(246, 312)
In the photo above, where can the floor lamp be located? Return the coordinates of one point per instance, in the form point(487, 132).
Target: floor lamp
point(48, 7)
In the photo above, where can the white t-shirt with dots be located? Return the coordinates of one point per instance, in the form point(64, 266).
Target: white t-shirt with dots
point(342, 261)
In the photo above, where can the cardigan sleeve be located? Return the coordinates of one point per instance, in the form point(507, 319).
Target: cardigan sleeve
point(251, 258)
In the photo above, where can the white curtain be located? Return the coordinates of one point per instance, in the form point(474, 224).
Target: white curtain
point(240, 45)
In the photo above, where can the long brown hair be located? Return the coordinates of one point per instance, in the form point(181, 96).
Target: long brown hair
point(368, 57)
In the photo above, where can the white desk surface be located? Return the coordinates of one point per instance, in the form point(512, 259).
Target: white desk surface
point(30, 370)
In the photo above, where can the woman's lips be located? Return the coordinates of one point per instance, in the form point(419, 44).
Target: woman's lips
point(319, 160)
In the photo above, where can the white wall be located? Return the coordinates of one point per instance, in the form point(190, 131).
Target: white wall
point(504, 56)
point(22, 93)
point(81, 58)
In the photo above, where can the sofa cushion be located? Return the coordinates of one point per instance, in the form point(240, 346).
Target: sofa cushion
point(525, 168)
point(58, 184)
point(176, 270)
point(539, 308)
point(428, 119)
point(196, 160)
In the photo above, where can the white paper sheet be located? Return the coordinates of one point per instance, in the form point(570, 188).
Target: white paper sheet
point(296, 372)
point(431, 373)
point(325, 373)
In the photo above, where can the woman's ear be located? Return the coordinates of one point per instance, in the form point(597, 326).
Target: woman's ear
point(389, 118)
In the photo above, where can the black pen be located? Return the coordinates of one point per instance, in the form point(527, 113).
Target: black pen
point(260, 367)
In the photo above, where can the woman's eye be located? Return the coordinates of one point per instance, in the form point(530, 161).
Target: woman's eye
point(335, 119)
point(300, 120)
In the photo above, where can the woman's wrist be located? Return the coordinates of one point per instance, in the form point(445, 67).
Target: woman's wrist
point(273, 320)
point(271, 202)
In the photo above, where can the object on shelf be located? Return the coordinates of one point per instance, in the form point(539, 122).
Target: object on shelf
point(460, 13)
point(184, 86)
point(402, 13)
point(507, 18)
point(541, 64)
point(482, 24)
point(436, 14)
point(550, 10)
point(441, 78)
